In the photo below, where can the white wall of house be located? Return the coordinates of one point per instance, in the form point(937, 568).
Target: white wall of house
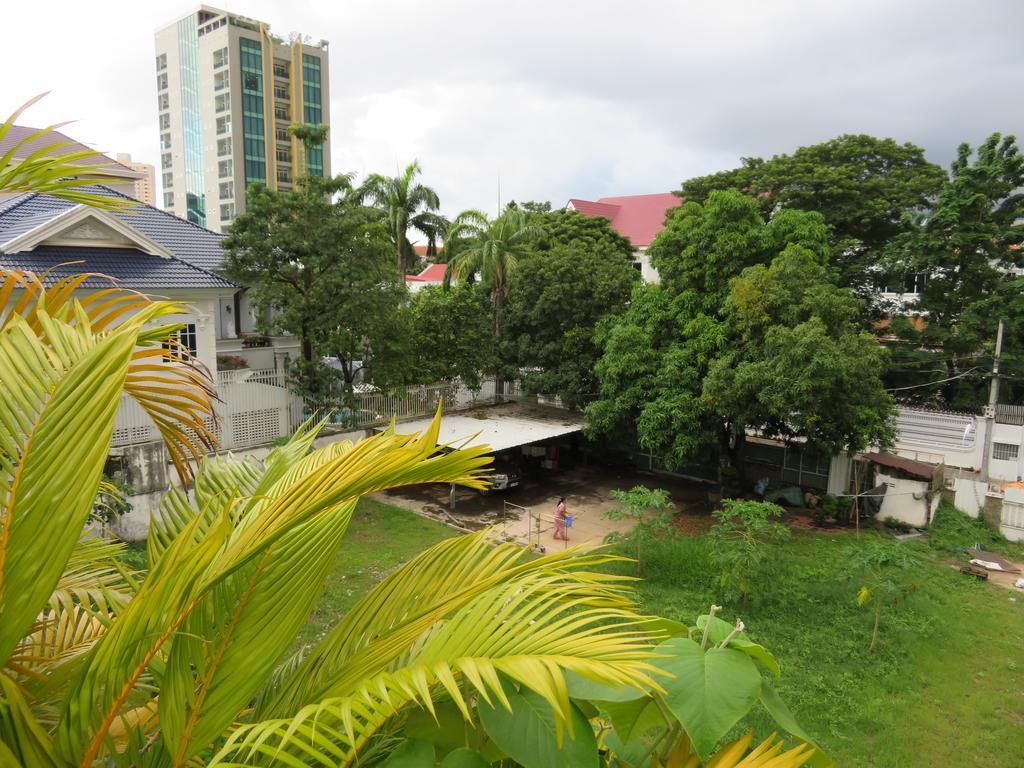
point(907, 500)
point(647, 271)
point(1012, 521)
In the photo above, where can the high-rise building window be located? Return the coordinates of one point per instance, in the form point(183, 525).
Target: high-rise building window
point(281, 113)
point(227, 190)
point(284, 156)
point(161, 82)
point(224, 124)
point(165, 160)
point(223, 147)
point(220, 58)
point(168, 200)
point(168, 180)
point(227, 212)
point(163, 102)
point(253, 140)
point(224, 169)
point(161, 62)
point(282, 134)
point(165, 141)
point(165, 122)
point(221, 80)
point(281, 92)
point(282, 175)
point(281, 70)
point(312, 111)
point(223, 102)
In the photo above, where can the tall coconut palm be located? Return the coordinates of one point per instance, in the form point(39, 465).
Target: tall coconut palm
point(490, 250)
point(408, 206)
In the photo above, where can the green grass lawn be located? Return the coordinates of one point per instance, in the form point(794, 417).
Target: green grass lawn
point(944, 687)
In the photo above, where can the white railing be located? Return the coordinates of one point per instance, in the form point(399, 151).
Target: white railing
point(255, 407)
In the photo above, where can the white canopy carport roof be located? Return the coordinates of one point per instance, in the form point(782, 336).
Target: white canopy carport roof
point(505, 427)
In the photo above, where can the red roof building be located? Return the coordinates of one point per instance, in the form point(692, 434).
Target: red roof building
point(638, 217)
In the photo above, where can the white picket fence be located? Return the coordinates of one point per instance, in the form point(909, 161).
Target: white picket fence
point(255, 407)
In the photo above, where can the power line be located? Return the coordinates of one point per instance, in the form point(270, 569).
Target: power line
point(932, 383)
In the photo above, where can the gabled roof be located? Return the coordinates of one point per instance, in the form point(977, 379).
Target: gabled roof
point(17, 133)
point(432, 274)
point(637, 217)
point(162, 251)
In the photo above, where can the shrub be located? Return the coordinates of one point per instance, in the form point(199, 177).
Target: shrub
point(637, 505)
point(231, 363)
point(743, 544)
point(952, 530)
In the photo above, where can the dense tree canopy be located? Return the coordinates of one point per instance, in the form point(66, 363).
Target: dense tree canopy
point(556, 299)
point(861, 185)
point(574, 230)
point(754, 335)
point(964, 247)
point(323, 265)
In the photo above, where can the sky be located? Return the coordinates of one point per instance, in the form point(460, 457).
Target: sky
point(551, 100)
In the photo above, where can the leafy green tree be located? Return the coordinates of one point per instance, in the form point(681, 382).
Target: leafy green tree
point(724, 345)
point(861, 185)
point(965, 247)
point(556, 299)
point(647, 509)
point(449, 336)
point(406, 206)
point(321, 262)
point(572, 229)
point(743, 543)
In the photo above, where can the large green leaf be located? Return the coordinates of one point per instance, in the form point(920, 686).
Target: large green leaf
point(446, 732)
point(464, 758)
point(584, 688)
point(411, 753)
point(721, 630)
point(531, 737)
point(711, 691)
point(632, 719)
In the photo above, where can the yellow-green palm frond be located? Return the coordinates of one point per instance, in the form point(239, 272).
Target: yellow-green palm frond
point(768, 754)
point(225, 599)
point(528, 631)
point(376, 632)
point(54, 168)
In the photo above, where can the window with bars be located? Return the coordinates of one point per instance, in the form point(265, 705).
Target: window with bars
point(1005, 451)
point(185, 338)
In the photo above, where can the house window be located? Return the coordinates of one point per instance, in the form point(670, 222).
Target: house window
point(161, 62)
point(227, 212)
point(914, 282)
point(186, 338)
point(168, 200)
point(1005, 451)
point(220, 58)
point(223, 147)
point(227, 190)
point(224, 168)
point(161, 82)
point(224, 124)
point(223, 102)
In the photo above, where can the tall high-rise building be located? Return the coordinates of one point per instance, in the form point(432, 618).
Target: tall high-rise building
point(227, 90)
point(144, 188)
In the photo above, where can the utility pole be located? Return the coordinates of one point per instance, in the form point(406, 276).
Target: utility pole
point(993, 401)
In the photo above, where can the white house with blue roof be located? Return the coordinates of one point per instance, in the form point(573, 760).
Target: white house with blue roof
point(144, 249)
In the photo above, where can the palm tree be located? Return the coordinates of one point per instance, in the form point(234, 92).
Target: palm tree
point(491, 250)
point(53, 169)
point(407, 205)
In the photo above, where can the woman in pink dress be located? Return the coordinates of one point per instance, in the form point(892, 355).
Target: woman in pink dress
point(560, 515)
